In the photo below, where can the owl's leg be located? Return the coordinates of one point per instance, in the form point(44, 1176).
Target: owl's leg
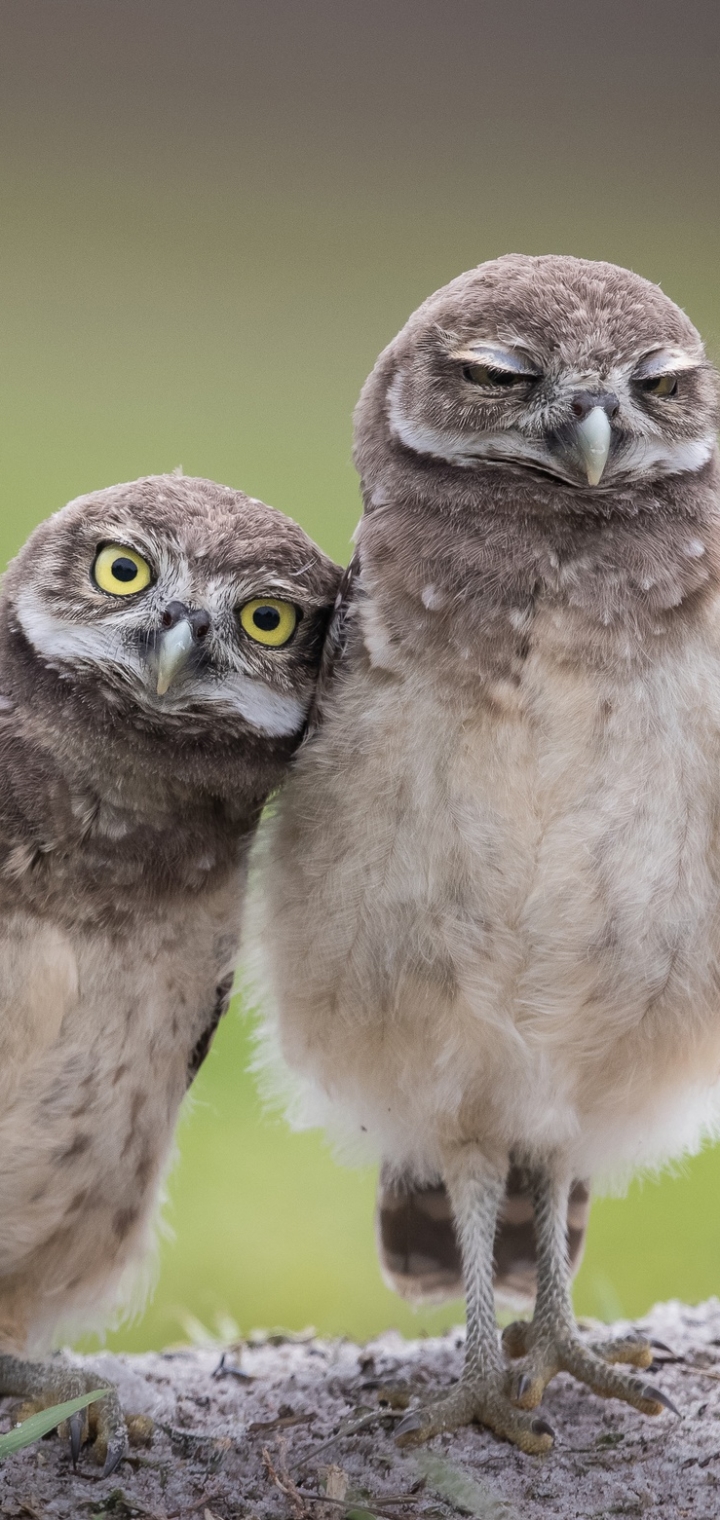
point(551, 1343)
point(42, 1384)
point(476, 1190)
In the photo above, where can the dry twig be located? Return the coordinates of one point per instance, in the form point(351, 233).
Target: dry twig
point(284, 1482)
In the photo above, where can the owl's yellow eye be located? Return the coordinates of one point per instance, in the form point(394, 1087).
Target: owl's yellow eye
point(660, 385)
point(121, 571)
point(269, 621)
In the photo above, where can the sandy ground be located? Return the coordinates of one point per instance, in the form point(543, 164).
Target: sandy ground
point(307, 1432)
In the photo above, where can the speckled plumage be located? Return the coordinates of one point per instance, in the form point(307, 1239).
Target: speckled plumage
point(125, 823)
point(495, 874)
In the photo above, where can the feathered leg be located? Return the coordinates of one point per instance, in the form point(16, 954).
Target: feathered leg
point(476, 1190)
point(550, 1343)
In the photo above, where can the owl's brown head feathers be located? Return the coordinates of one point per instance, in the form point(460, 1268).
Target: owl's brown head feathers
point(166, 634)
point(178, 602)
point(580, 378)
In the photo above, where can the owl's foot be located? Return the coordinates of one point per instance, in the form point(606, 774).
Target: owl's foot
point(480, 1400)
point(42, 1384)
point(542, 1353)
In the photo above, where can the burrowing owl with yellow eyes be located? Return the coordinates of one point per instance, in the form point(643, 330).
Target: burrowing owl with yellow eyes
point(159, 643)
point(494, 877)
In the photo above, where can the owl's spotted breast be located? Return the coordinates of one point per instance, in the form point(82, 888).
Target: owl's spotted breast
point(541, 866)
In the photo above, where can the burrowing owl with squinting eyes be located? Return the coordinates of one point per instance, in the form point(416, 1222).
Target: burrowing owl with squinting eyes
point(159, 645)
point(494, 876)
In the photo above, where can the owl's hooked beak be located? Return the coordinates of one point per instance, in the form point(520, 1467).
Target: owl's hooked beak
point(593, 439)
point(182, 631)
point(592, 432)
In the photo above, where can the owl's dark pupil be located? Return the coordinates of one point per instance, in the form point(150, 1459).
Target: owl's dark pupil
point(266, 619)
point(124, 569)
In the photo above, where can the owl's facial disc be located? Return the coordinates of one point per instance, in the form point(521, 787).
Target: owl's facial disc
point(159, 628)
point(594, 423)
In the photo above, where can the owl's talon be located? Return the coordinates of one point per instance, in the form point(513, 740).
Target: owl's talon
point(76, 1432)
point(43, 1384)
point(526, 1391)
point(592, 1365)
point(115, 1454)
point(408, 1425)
point(515, 1338)
point(658, 1397)
point(476, 1401)
point(109, 1431)
point(633, 1349)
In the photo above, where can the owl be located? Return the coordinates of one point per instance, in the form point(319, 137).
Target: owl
point(159, 644)
point(494, 876)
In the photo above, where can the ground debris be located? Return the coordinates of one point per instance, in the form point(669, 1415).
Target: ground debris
point(307, 1434)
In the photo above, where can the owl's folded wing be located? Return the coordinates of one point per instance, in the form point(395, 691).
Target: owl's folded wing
point(335, 645)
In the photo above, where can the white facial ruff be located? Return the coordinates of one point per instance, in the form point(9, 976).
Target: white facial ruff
point(99, 646)
point(684, 457)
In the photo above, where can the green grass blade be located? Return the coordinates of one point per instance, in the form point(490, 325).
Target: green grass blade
point(469, 1495)
point(39, 1424)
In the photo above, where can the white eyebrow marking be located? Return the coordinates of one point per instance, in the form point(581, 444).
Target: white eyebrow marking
point(667, 361)
point(686, 456)
point(497, 357)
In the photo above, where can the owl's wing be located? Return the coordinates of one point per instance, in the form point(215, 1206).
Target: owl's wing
point(336, 643)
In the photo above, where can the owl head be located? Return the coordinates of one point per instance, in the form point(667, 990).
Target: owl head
point(174, 605)
point(579, 378)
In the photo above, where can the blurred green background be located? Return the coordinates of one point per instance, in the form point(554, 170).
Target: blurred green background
point(212, 217)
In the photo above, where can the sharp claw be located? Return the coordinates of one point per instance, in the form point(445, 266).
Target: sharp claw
point(657, 1395)
point(113, 1459)
point(660, 1346)
point(540, 1427)
point(409, 1423)
point(523, 1385)
point(76, 1425)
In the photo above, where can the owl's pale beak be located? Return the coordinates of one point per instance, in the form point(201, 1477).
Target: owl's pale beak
point(590, 434)
point(175, 647)
point(593, 435)
point(182, 631)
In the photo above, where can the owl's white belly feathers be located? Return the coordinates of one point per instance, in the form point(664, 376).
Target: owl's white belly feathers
point(499, 919)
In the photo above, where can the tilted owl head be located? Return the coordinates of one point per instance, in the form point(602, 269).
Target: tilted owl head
point(581, 377)
point(183, 604)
